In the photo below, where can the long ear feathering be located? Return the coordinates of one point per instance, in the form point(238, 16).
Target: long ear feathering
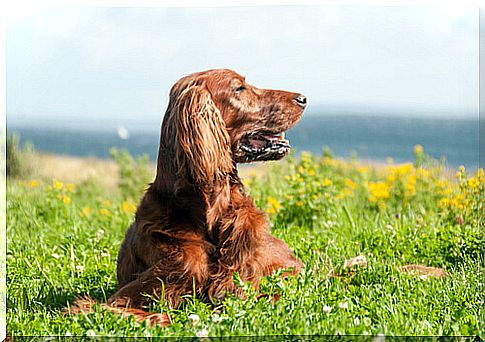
point(201, 142)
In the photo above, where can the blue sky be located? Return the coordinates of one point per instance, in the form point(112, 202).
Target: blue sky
point(118, 64)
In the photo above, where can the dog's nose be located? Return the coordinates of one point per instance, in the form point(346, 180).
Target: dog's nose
point(301, 100)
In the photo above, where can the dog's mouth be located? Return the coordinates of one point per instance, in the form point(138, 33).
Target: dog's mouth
point(264, 146)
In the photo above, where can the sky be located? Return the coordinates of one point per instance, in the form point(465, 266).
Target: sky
point(96, 64)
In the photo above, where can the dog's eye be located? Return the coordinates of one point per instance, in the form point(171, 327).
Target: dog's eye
point(240, 89)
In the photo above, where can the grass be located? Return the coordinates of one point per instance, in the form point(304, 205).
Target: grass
point(63, 240)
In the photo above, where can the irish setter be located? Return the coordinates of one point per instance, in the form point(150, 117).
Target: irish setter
point(195, 225)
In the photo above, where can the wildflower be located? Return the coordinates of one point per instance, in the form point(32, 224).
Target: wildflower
point(273, 205)
point(347, 192)
point(34, 183)
point(350, 184)
point(70, 187)
point(57, 184)
point(194, 319)
point(327, 309)
point(473, 183)
point(418, 149)
point(104, 212)
point(410, 186)
point(299, 204)
point(80, 268)
point(389, 160)
point(55, 255)
point(90, 333)
point(128, 207)
point(247, 181)
point(362, 169)
point(202, 333)
point(343, 305)
point(481, 176)
point(340, 196)
point(66, 199)
point(86, 211)
point(217, 319)
point(378, 191)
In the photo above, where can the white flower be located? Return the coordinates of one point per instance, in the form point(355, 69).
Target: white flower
point(343, 305)
point(68, 333)
point(202, 333)
point(327, 308)
point(217, 319)
point(90, 333)
point(194, 319)
point(80, 268)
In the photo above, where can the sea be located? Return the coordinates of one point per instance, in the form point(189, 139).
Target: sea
point(367, 137)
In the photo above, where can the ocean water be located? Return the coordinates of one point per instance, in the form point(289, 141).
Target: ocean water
point(369, 137)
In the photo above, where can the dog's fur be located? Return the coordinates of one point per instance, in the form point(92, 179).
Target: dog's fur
point(195, 225)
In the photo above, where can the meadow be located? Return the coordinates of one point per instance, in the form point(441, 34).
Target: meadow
point(354, 225)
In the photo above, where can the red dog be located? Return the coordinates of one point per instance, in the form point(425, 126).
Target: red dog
point(195, 224)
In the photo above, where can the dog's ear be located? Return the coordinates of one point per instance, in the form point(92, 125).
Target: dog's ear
point(201, 142)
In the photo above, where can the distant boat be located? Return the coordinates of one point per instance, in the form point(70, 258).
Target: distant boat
point(123, 132)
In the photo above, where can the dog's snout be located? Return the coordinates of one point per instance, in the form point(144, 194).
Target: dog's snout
point(301, 100)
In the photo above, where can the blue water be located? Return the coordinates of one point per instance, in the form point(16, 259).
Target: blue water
point(370, 137)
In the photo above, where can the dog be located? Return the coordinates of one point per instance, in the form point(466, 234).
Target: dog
point(196, 226)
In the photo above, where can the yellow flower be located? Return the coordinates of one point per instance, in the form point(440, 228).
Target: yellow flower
point(273, 205)
point(34, 183)
point(423, 173)
point(104, 212)
point(378, 191)
point(66, 199)
point(481, 175)
point(418, 149)
point(410, 186)
point(347, 192)
point(326, 182)
point(362, 169)
point(70, 187)
point(350, 184)
point(311, 172)
point(86, 211)
point(444, 202)
point(389, 160)
point(299, 204)
point(473, 183)
point(247, 181)
point(57, 184)
point(128, 207)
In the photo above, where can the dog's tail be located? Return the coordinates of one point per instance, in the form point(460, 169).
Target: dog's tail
point(86, 305)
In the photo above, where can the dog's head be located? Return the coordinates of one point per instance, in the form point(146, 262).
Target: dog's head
point(217, 119)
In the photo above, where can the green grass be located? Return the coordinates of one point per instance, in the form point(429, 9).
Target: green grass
point(63, 242)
